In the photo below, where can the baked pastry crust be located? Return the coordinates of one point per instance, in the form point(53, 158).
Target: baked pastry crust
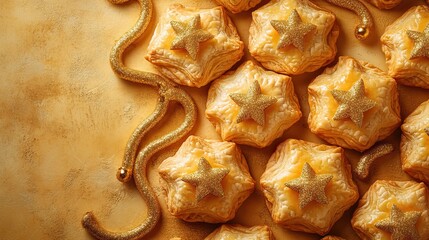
point(385, 4)
point(215, 56)
point(286, 164)
point(222, 111)
point(319, 44)
point(329, 237)
point(378, 122)
point(238, 232)
point(376, 205)
point(415, 143)
point(236, 6)
point(398, 46)
point(181, 196)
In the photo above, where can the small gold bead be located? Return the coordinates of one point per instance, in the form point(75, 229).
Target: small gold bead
point(123, 174)
point(361, 32)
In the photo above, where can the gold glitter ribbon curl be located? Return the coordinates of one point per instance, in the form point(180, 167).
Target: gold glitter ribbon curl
point(364, 164)
point(362, 30)
point(135, 165)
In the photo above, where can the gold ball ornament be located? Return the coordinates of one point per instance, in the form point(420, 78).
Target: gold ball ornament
point(123, 174)
point(361, 32)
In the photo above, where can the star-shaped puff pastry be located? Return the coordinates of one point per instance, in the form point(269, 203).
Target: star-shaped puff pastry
point(310, 186)
point(253, 104)
point(207, 180)
point(292, 31)
point(401, 225)
point(352, 103)
point(421, 43)
point(189, 36)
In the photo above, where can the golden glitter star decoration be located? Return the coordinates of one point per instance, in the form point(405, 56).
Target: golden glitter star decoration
point(292, 31)
point(310, 186)
point(189, 36)
point(253, 104)
point(401, 225)
point(207, 180)
point(352, 103)
point(421, 43)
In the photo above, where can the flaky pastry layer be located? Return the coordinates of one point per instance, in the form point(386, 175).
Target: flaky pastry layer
point(286, 164)
point(320, 45)
point(377, 202)
point(236, 6)
point(378, 122)
point(397, 47)
point(222, 111)
point(238, 232)
point(385, 4)
point(415, 143)
point(215, 56)
point(181, 196)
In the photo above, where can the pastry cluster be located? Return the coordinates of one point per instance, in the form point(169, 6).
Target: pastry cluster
point(353, 104)
point(193, 46)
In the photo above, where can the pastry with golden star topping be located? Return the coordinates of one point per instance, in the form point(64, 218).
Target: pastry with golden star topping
point(236, 6)
point(353, 104)
point(293, 36)
point(193, 46)
point(238, 232)
point(415, 143)
point(405, 44)
point(308, 186)
point(401, 225)
point(385, 4)
point(393, 210)
point(252, 106)
point(205, 181)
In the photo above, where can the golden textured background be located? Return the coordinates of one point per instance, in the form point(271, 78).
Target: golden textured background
point(65, 119)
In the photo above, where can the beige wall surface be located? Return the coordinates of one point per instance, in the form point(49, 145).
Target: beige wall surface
point(65, 119)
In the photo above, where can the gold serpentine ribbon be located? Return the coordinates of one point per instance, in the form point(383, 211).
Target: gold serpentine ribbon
point(363, 29)
point(135, 165)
